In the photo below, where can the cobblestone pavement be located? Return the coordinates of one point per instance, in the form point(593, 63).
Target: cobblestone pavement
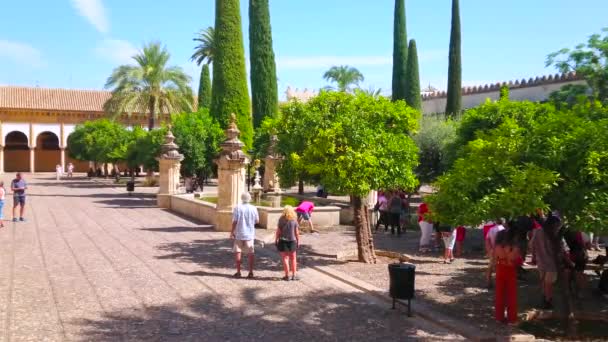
point(92, 264)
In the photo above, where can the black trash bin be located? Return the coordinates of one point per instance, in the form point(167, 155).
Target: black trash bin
point(402, 279)
point(130, 187)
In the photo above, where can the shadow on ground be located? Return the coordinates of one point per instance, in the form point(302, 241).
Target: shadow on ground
point(251, 315)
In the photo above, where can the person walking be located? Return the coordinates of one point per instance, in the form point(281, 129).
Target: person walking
point(394, 211)
point(304, 212)
point(70, 170)
point(546, 247)
point(2, 197)
point(449, 237)
point(244, 218)
point(287, 240)
point(381, 207)
point(58, 171)
point(506, 256)
point(426, 228)
point(18, 187)
point(490, 241)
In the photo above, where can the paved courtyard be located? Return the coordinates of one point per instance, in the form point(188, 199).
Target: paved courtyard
point(92, 264)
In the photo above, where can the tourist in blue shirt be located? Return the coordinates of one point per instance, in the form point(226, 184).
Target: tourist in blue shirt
point(18, 186)
point(244, 218)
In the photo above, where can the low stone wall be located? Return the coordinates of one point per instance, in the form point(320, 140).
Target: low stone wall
point(321, 217)
point(346, 210)
point(206, 212)
point(192, 207)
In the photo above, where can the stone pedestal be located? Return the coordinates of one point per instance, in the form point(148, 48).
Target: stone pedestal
point(271, 162)
point(231, 164)
point(169, 166)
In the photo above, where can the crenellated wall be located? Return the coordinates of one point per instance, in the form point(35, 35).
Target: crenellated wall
point(533, 89)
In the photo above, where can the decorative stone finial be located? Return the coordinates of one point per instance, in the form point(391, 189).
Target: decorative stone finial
point(170, 150)
point(232, 146)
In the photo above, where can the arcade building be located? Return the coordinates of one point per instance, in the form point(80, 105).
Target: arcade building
point(35, 124)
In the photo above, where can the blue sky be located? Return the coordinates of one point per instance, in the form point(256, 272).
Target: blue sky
point(77, 43)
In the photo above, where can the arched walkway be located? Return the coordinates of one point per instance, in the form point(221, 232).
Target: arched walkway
point(47, 153)
point(16, 152)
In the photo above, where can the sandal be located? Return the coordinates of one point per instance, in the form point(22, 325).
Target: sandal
point(237, 275)
point(286, 278)
point(250, 275)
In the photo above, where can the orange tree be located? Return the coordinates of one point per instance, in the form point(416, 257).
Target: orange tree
point(353, 144)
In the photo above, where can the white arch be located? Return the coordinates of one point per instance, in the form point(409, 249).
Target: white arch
point(40, 128)
point(8, 127)
point(67, 130)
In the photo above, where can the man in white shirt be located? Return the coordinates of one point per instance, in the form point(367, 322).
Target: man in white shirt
point(490, 241)
point(244, 218)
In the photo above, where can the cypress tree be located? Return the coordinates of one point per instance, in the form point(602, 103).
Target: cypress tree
point(454, 96)
point(230, 93)
point(412, 79)
point(399, 51)
point(204, 88)
point(264, 93)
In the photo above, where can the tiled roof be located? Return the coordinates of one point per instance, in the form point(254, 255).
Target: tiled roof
point(12, 97)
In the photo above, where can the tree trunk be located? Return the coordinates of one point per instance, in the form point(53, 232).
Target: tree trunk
point(151, 122)
point(564, 286)
point(365, 241)
point(300, 187)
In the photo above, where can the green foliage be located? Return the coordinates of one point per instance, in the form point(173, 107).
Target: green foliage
point(399, 51)
point(230, 94)
point(434, 139)
point(359, 143)
point(149, 86)
point(205, 50)
point(504, 92)
point(344, 76)
point(412, 84)
point(101, 141)
point(454, 95)
point(588, 60)
point(204, 89)
point(569, 95)
point(525, 156)
point(198, 136)
point(264, 93)
point(146, 148)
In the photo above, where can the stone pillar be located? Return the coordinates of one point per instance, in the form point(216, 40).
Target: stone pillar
point(63, 159)
point(32, 160)
point(169, 166)
point(271, 162)
point(231, 164)
point(1, 159)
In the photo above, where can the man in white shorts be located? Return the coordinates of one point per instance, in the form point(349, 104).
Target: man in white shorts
point(244, 218)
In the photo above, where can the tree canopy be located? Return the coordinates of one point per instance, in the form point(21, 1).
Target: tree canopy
point(588, 60)
point(150, 86)
point(360, 143)
point(344, 76)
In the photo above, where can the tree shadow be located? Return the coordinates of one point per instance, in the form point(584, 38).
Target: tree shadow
point(253, 314)
point(128, 202)
point(180, 229)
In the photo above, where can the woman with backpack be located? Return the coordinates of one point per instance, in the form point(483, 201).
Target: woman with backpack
point(395, 205)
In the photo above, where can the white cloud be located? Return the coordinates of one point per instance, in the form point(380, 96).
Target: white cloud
point(94, 12)
point(317, 62)
point(21, 53)
point(116, 50)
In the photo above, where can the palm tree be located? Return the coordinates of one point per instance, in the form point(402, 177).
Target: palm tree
point(206, 49)
point(344, 76)
point(149, 86)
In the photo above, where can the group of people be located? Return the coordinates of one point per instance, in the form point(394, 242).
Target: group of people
point(553, 247)
point(451, 237)
point(287, 237)
point(59, 171)
point(393, 208)
point(18, 187)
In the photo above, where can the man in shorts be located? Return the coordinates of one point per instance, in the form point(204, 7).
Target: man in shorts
point(244, 218)
point(18, 186)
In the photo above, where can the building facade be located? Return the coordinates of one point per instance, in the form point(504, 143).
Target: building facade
point(35, 124)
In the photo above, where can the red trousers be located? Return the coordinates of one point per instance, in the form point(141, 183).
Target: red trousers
point(506, 293)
